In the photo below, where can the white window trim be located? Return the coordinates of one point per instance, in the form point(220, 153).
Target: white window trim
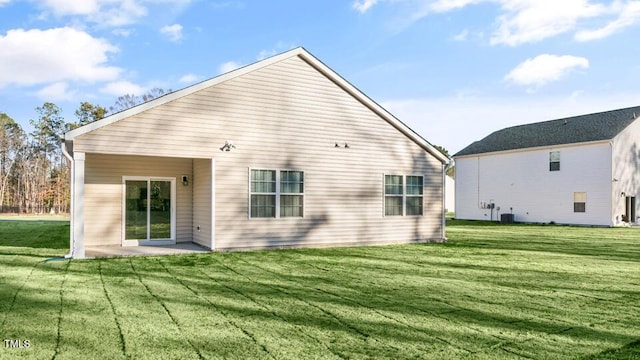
point(277, 194)
point(148, 241)
point(404, 194)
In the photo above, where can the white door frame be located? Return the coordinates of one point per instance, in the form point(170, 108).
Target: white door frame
point(170, 241)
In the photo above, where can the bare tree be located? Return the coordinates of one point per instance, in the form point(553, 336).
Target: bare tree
point(12, 140)
point(128, 101)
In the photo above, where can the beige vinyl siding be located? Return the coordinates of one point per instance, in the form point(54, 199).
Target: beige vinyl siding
point(202, 201)
point(288, 116)
point(103, 193)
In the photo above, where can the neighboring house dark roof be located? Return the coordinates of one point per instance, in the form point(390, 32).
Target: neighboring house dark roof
point(584, 128)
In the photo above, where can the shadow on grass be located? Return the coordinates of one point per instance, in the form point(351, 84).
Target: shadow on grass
point(627, 352)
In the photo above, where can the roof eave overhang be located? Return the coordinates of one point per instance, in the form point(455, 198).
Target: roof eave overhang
point(535, 148)
point(300, 52)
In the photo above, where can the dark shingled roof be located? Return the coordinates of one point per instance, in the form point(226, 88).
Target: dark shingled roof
point(592, 127)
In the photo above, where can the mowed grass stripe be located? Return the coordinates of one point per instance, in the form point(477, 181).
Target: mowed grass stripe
point(415, 305)
point(213, 331)
point(13, 279)
point(162, 287)
point(489, 313)
point(341, 337)
point(368, 324)
point(35, 313)
point(415, 289)
point(61, 309)
point(306, 340)
point(294, 338)
point(421, 338)
point(86, 312)
point(146, 328)
point(113, 314)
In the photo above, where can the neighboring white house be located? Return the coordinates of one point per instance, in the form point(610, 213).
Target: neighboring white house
point(450, 194)
point(280, 153)
point(580, 170)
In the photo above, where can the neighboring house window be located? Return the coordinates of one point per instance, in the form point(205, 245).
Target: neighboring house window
point(275, 193)
point(554, 161)
point(403, 195)
point(579, 202)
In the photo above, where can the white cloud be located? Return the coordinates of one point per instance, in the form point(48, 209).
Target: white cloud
point(461, 36)
point(66, 7)
point(526, 21)
point(281, 46)
point(229, 66)
point(120, 13)
point(363, 5)
point(122, 32)
point(3, 2)
point(123, 87)
point(56, 92)
point(172, 32)
point(629, 14)
point(449, 5)
point(109, 13)
point(189, 78)
point(266, 53)
point(61, 54)
point(544, 69)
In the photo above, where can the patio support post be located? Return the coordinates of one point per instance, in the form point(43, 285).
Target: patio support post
point(78, 205)
point(213, 204)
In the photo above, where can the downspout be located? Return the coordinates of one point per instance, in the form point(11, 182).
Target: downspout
point(445, 167)
point(612, 185)
point(66, 154)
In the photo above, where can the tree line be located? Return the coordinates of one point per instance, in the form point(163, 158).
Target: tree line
point(34, 174)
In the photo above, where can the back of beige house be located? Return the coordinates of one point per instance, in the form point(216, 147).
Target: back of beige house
point(280, 153)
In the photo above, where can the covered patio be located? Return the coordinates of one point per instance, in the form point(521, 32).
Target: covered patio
point(106, 251)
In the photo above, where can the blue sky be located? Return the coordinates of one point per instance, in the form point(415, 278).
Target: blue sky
point(453, 70)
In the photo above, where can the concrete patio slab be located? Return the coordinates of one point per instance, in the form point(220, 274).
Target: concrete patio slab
point(92, 252)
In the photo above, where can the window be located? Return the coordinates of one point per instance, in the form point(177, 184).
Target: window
point(414, 195)
point(393, 195)
point(554, 161)
point(291, 193)
point(402, 200)
point(276, 194)
point(579, 202)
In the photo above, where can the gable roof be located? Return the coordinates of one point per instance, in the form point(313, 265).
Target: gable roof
point(578, 129)
point(300, 52)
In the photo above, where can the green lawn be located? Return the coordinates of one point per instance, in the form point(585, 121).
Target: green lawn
point(492, 292)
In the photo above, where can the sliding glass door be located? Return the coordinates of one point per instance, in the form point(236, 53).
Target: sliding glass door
point(148, 210)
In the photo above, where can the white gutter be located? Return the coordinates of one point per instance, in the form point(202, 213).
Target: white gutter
point(66, 154)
